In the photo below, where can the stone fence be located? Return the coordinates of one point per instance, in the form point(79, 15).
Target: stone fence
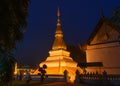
point(48, 77)
point(100, 79)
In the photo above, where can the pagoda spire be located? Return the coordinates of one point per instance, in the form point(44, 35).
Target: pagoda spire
point(59, 42)
point(58, 14)
point(58, 20)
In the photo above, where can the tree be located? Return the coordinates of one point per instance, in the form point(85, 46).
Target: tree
point(7, 68)
point(77, 53)
point(13, 22)
point(42, 71)
point(115, 17)
point(116, 12)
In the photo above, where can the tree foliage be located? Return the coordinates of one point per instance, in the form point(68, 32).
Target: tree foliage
point(77, 54)
point(13, 22)
point(115, 17)
point(7, 61)
point(42, 72)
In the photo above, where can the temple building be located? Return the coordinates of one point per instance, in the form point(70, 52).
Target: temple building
point(59, 58)
point(103, 47)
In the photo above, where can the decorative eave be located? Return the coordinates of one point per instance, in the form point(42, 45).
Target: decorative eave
point(98, 26)
point(102, 20)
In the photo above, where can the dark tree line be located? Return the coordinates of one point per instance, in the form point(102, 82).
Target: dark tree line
point(77, 53)
point(13, 22)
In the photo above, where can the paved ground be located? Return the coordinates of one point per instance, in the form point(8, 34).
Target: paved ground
point(61, 84)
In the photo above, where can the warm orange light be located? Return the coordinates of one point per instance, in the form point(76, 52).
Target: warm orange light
point(15, 72)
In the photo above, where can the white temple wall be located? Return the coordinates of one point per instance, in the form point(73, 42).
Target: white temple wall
point(109, 54)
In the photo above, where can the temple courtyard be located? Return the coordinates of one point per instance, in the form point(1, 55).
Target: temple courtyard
point(62, 84)
point(38, 83)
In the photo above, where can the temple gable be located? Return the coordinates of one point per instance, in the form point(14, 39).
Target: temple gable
point(105, 34)
point(103, 46)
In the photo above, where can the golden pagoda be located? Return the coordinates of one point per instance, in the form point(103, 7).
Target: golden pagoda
point(59, 58)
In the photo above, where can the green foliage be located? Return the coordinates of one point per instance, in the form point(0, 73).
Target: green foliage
point(77, 54)
point(42, 71)
point(116, 12)
point(44, 66)
point(7, 61)
point(12, 18)
point(115, 18)
point(13, 22)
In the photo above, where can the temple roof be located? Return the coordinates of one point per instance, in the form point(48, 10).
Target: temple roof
point(100, 23)
point(59, 42)
point(103, 20)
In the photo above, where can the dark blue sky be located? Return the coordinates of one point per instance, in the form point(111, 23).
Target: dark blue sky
point(78, 19)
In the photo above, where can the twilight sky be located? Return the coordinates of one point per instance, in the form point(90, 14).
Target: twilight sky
point(78, 19)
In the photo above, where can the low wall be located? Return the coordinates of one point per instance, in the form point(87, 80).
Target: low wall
point(100, 79)
point(38, 77)
point(50, 77)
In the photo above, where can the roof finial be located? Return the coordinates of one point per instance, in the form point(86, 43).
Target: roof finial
point(102, 13)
